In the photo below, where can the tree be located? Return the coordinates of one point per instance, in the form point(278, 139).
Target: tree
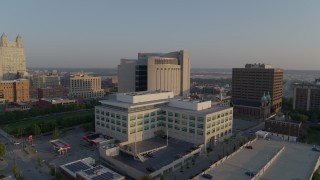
point(20, 176)
point(36, 130)
point(55, 132)
point(2, 150)
point(15, 169)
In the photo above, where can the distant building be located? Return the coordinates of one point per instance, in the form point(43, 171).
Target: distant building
point(253, 87)
point(280, 125)
point(142, 115)
point(86, 169)
point(156, 71)
point(15, 90)
point(12, 58)
point(47, 102)
point(85, 86)
point(52, 92)
point(43, 81)
point(307, 96)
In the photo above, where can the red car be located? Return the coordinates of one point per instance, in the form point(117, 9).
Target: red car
point(248, 147)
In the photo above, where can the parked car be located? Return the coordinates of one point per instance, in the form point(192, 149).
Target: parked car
point(150, 169)
point(207, 176)
point(248, 147)
point(315, 149)
point(250, 173)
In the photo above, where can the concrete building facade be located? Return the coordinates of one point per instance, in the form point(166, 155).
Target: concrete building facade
point(12, 58)
point(15, 90)
point(307, 97)
point(43, 81)
point(156, 71)
point(254, 83)
point(139, 116)
point(85, 86)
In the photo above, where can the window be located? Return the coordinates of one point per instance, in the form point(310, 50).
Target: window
point(199, 132)
point(146, 121)
point(132, 124)
point(192, 117)
point(184, 129)
point(191, 130)
point(118, 116)
point(118, 123)
point(118, 129)
point(208, 132)
point(184, 116)
point(153, 113)
point(200, 119)
point(140, 129)
point(98, 123)
point(170, 113)
point(153, 126)
point(124, 131)
point(191, 124)
point(112, 121)
point(213, 117)
point(176, 115)
point(124, 118)
point(146, 115)
point(139, 116)
point(200, 126)
point(107, 120)
point(124, 124)
point(208, 126)
point(107, 113)
point(146, 127)
point(132, 118)
point(170, 119)
point(176, 127)
point(153, 120)
point(112, 127)
point(208, 119)
point(139, 123)
point(132, 131)
point(112, 115)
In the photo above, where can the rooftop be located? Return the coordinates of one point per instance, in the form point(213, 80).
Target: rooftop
point(289, 160)
point(160, 158)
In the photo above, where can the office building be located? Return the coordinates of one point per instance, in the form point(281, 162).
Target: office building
point(85, 86)
point(306, 96)
point(52, 92)
point(255, 88)
point(12, 59)
point(15, 90)
point(43, 81)
point(139, 116)
point(156, 71)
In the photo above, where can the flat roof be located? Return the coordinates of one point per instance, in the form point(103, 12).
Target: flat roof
point(210, 110)
point(114, 102)
point(161, 158)
point(297, 159)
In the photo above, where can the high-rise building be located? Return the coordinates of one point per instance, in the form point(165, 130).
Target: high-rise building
point(156, 71)
point(307, 96)
point(255, 88)
point(15, 90)
point(12, 58)
point(85, 86)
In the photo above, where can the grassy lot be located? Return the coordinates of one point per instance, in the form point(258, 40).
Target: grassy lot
point(63, 120)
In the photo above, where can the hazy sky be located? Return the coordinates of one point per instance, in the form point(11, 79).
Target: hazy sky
point(217, 34)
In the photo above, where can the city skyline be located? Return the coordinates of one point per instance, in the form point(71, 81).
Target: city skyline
point(216, 34)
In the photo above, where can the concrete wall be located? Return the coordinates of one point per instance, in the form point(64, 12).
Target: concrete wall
point(192, 105)
point(127, 76)
point(143, 97)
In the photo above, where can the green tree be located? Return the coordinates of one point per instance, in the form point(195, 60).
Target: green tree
point(15, 169)
point(36, 129)
point(2, 150)
point(55, 132)
point(20, 176)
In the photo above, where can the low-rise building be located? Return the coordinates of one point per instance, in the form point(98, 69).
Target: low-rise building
point(47, 102)
point(52, 92)
point(86, 169)
point(280, 125)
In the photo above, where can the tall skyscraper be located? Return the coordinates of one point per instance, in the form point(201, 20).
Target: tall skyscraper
point(255, 87)
point(12, 58)
point(156, 71)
